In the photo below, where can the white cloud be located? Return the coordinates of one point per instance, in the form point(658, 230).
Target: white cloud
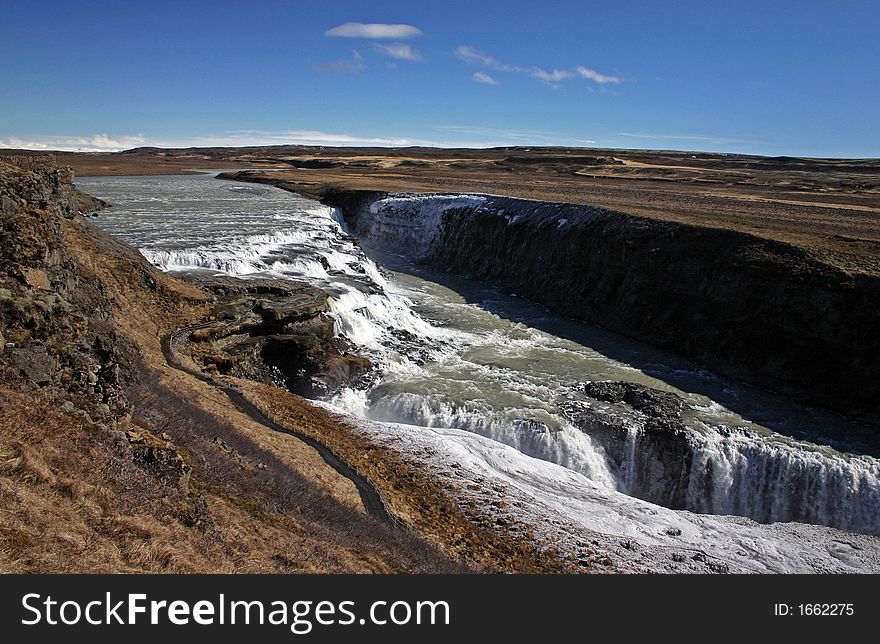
point(400, 51)
point(551, 77)
point(290, 137)
point(93, 143)
point(480, 77)
point(354, 66)
point(376, 30)
point(474, 56)
point(449, 136)
point(242, 138)
point(593, 75)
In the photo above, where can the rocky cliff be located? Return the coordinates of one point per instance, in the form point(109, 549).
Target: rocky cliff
point(750, 308)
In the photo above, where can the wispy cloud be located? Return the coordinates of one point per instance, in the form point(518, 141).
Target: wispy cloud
point(474, 56)
point(375, 30)
point(355, 65)
point(504, 137)
point(89, 143)
point(481, 77)
point(448, 136)
point(593, 75)
point(400, 51)
point(551, 77)
point(687, 137)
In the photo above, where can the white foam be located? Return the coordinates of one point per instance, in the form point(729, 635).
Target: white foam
point(565, 509)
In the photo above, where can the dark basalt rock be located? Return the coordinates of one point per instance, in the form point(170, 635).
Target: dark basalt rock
point(277, 332)
point(34, 362)
point(652, 452)
point(652, 402)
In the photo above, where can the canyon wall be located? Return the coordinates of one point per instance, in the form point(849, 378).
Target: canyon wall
point(750, 308)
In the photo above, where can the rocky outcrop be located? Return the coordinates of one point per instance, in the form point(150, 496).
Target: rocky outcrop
point(747, 307)
point(30, 181)
point(275, 332)
point(651, 449)
point(657, 405)
point(54, 323)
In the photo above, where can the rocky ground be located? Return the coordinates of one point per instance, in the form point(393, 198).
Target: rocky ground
point(277, 332)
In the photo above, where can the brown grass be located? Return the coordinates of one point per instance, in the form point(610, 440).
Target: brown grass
point(74, 500)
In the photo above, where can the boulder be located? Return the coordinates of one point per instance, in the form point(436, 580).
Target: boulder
point(8, 205)
point(35, 278)
point(652, 451)
point(651, 402)
point(33, 362)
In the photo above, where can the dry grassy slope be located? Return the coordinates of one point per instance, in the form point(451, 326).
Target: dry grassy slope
point(114, 461)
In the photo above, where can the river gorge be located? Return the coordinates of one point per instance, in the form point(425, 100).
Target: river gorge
point(464, 348)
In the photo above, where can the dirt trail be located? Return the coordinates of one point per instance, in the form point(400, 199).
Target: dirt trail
point(370, 496)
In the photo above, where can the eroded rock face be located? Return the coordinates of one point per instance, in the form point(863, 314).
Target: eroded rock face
point(36, 182)
point(650, 449)
point(754, 309)
point(53, 321)
point(277, 332)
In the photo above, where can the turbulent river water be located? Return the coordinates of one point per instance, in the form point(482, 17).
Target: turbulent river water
point(454, 353)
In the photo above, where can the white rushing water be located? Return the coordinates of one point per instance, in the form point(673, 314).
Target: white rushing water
point(454, 354)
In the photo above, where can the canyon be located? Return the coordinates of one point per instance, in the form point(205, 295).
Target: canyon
point(772, 312)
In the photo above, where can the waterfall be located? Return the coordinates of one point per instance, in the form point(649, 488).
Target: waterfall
point(409, 225)
point(716, 470)
point(738, 472)
point(769, 481)
point(563, 444)
point(460, 365)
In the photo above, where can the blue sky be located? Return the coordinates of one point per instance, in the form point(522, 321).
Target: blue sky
point(799, 78)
